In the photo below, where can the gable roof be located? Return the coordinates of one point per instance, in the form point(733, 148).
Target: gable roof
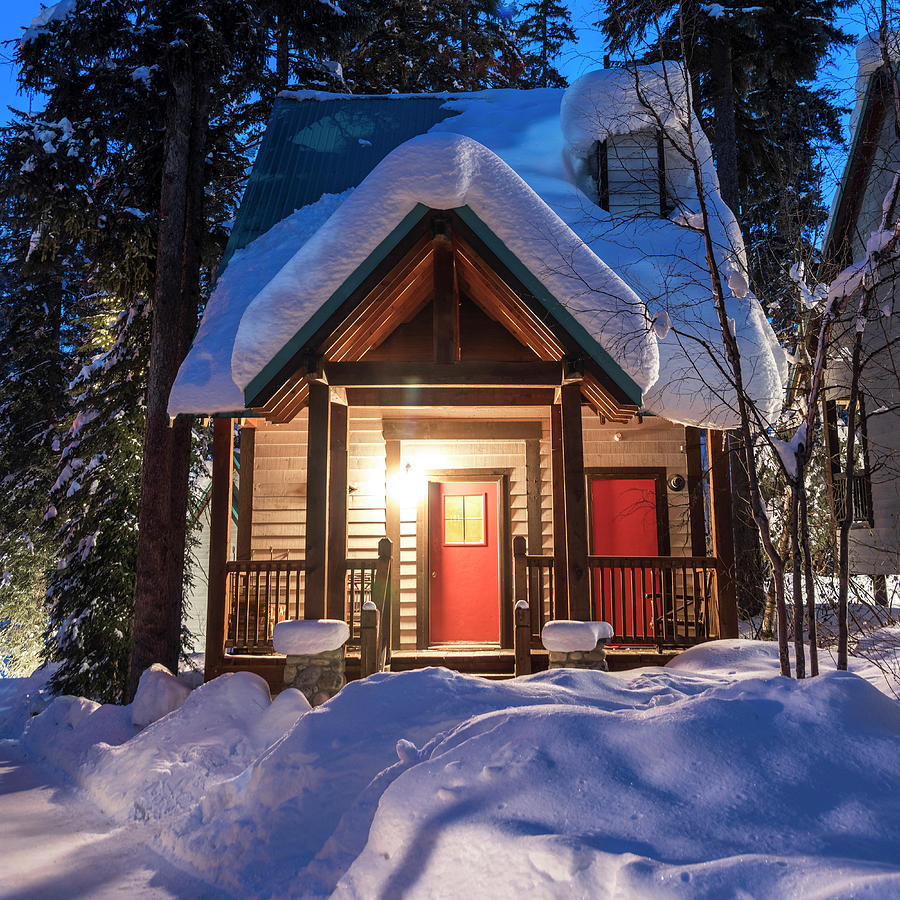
point(321, 147)
point(647, 267)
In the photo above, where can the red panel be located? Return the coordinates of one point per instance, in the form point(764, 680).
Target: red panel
point(464, 577)
point(624, 524)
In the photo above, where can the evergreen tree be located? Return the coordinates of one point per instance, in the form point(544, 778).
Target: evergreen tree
point(413, 46)
point(545, 28)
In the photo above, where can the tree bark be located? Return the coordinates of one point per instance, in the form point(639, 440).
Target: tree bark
point(725, 138)
point(796, 582)
point(156, 635)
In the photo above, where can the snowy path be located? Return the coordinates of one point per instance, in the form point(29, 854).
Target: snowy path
point(56, 844)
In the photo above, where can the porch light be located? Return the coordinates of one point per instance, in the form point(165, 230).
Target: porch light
point(407, 486)
point(617, 436)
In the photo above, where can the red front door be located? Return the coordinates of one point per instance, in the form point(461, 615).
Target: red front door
point(624, 523)
point(464, 562)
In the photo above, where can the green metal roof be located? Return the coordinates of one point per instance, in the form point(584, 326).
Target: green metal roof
point(324, 146)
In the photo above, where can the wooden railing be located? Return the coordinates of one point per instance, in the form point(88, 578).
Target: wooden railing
point(533, 583)
point(660, 600)
point(375, 615)
point(259, 594)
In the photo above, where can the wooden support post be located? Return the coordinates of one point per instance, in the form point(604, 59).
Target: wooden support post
point(533, 507)
point(392, 515)
point(445, 322)
point(337, 512)
point(382, 590)
point(695, 490)
point(560, 576)
point(219, 544)
point(576, 503)
point(245, 493)
point(317, 500)
point(722, 534)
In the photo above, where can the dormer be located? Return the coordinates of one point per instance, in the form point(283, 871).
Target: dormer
point(629, 174)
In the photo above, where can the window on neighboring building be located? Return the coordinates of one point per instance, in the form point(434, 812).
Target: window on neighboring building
point(858, 493)
point(629, 171)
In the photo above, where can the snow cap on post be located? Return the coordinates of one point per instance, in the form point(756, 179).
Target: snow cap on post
point(568, 636)
point(307, 637)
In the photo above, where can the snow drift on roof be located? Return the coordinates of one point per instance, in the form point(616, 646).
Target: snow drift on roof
point(658, 264)
point(608, 102)
point(448, 171)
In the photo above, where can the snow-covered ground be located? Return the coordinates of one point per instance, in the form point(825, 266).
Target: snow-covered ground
point(712, 777)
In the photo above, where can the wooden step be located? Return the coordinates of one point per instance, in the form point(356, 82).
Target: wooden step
point(481, 661)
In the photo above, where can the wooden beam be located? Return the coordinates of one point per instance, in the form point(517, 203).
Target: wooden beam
point(722, 533)
point(401, 374)
point(533, 506)
point(337, 512)
point(219, 544)
point(245, 494)
point(560, 575)
point(449, 396)
point(317, 447)
point(695, 490)
point(392, 522)
point(459, 430)
point(445, 324)
point(576, 503)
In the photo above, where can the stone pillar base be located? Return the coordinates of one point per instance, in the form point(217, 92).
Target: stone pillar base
point(580, 659)
point(317, 676)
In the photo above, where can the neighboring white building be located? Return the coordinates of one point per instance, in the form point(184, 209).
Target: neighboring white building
point(872, 165)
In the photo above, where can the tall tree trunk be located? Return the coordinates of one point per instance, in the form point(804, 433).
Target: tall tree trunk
point(156, 634)
point(747, 551)
point(810, 586)
point(796, 582)
point(725, 138)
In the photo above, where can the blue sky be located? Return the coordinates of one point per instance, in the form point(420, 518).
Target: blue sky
point(586, 55)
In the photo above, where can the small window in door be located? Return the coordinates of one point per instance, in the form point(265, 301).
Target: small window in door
point(464, 520)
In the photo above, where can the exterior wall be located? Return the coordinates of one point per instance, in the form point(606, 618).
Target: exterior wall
point(280, 481)
point(654, 443)
point(875, 549)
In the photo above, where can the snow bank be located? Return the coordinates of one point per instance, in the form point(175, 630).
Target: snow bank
point(257, 832)
point(566, 636)
point(310, 636)
point(447, 171)
point(159, 692)
point(72, 730)
point(169, 766)
point(710, 777)
point(702, 797)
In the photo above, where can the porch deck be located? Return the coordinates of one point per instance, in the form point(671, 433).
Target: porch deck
point(658, 606)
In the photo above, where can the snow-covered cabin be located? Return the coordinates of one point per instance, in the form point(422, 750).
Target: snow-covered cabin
point(854, 229)
point(481, 326)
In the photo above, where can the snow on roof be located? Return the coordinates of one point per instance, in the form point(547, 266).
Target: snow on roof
point(447, 171)
point(509, 157)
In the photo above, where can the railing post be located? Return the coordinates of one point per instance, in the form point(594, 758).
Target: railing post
point(368, 633)
point(520, 570)
point(522, 637)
